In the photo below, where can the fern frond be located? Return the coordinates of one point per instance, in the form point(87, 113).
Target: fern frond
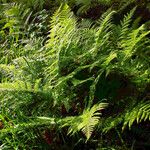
point(133, 113)
point(34, 123)
point(7, 71)
point(125, 23)
point(21, 86)
point(28, 129)
point(110, 123)
point(90, 118)
point(85, 122)
point(62, 29)
point(140, 112)
point(103, 32)
point(134, 42)
point(102, 35)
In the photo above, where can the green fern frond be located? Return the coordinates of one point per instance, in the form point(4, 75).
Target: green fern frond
point(134, 113)
point(21, 86)
point(62, 25)
point(90, 118)
point(85, 122)
point(103, 32)
point(102, 35)
point(62, 29)
point(125, 23)
point(110, 123)
point(34, 123)
point(134, 42)
point(140, 112)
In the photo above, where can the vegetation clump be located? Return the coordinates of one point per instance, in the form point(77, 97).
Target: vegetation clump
point(69, 80)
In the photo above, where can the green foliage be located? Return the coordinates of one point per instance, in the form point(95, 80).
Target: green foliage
point(85, 122)
point(85, 5)
point(48, 84)
point(140, 112)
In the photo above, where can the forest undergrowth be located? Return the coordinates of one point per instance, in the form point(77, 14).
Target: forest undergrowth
point(72, 79)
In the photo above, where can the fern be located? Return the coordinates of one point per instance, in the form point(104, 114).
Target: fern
point(54, 85)
point(21, 86)
point(125, 23)
point(62, 27)
point(133, 113)
point(140, 112)
point(85, 122)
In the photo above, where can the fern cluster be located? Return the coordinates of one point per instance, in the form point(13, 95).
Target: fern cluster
point(67, 81)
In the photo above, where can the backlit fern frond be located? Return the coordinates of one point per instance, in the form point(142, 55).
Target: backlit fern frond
point(132, 44)
point(21, 86)
point(79, 65)
point(62, 29)
point(130, 40)
point(125, 23)
point(85, 122)
point(62, 23)
point(103, 30)
point(90, 119)
point(140, 112)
